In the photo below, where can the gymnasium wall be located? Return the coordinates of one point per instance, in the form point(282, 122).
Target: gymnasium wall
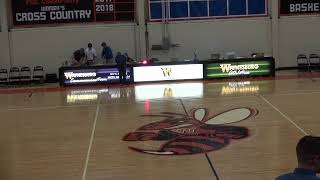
point(4, 51)
point(242, 36)
point(298, 35)
point(50, 46)
point(4, 42)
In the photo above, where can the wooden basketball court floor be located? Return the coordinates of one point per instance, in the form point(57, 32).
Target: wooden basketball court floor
point(92, 133)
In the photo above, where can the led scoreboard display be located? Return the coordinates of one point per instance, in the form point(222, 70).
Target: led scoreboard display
point(33, 12)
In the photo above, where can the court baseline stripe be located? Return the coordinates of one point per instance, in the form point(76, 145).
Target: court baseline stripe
point(207, 157)
point(282, 114)
point(91, 141)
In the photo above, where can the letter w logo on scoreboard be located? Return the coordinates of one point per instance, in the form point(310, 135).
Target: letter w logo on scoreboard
point(167, 71)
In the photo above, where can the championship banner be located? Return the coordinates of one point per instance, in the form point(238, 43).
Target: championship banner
point(296, 7)
point(235, 69)
point(33, 12)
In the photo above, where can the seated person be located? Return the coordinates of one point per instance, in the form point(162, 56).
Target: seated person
point(129, 59)
point(78, 57)
point(308, 154)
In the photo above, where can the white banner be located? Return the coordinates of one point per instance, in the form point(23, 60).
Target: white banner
point(168, 72)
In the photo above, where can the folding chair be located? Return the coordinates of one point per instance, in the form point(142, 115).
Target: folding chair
point(314, 61)
point(4, 77)
point(303, 62)
point(25, 75)
point(38, 74)
point(14, 75)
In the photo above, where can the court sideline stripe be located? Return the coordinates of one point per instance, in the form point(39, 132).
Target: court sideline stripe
point(91, 141)
point(282, 114)
point(207, 157)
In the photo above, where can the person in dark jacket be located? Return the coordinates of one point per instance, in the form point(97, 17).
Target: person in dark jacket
point(129, 59)
point(106, 53)
point(78, 57)
point(121, 64)
point(308, 154)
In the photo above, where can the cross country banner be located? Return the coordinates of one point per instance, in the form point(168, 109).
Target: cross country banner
point(37, 12)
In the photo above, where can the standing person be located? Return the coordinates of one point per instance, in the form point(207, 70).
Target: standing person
point(106, 53)
point(121, 65)
point(308, 155)
point(91, 54)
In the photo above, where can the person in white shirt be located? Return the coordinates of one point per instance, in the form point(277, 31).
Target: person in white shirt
point(91, 54)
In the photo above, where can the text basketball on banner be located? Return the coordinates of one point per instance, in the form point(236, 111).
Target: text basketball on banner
point(34, 12)
point(299, 7)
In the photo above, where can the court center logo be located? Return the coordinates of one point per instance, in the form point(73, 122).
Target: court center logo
point(194, 133)
point(167, 71)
